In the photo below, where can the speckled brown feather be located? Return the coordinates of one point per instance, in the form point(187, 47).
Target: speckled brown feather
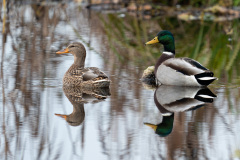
point(78, 76)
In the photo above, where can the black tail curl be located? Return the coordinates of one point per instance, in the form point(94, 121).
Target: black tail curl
point(202, 75)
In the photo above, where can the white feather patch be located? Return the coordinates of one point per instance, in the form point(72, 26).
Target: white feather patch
point(168, 53)
point(205, 96)
point(167, 114)
point(206, 78)
point(101, 80)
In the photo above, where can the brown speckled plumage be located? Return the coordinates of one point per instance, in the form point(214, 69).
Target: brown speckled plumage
point(78, 75)
point(86, 77)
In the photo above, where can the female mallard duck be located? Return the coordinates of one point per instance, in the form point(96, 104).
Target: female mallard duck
point(77, 75)
point(178, 71)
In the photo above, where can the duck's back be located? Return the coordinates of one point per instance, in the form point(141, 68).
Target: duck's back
point(85, 77)
point(181, 72)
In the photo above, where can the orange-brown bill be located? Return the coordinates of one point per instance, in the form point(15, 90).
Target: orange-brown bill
point(61, 115)
point(63, 51)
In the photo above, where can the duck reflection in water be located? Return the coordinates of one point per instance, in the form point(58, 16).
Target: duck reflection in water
point(172, 99)
point(78, 97)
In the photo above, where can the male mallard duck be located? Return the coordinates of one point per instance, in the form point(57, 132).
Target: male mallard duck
point(178, 71)
point(77, 75)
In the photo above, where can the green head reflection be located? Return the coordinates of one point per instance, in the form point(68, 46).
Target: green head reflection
point(164, 128)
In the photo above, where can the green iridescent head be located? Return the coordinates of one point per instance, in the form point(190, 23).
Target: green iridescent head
point(166, 38)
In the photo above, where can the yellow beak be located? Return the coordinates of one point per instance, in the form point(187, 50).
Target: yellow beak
point(63, 51)
point(154, 127)
point(154, 40)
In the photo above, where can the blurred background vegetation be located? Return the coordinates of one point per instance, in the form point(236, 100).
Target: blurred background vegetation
point(208, 33)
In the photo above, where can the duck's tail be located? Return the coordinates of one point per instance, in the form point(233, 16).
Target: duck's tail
point(205, 78)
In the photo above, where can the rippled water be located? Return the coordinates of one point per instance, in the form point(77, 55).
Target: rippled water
point(115, 127)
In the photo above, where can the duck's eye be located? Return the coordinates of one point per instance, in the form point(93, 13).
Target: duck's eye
point(70, 46)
